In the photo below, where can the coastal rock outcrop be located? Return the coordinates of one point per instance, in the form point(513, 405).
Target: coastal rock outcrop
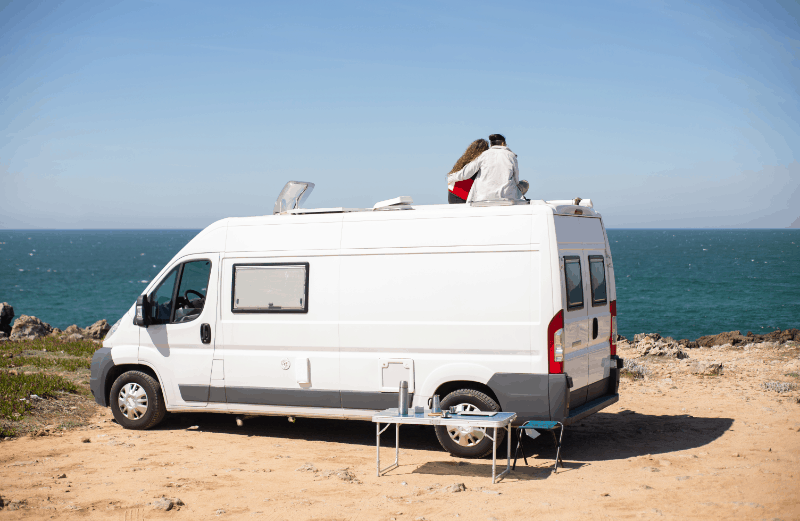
point(97, 330)
point(736, 337)
point(6, 316)
point(652, 344)
point(29, 328)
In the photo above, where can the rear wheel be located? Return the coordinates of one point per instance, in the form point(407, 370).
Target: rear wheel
point(468, 442)
point(136, 401)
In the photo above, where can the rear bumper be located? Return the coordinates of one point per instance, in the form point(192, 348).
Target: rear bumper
point(547, 396)
point(589, 408)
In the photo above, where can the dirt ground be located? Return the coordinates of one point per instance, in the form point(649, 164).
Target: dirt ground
point(677, 445)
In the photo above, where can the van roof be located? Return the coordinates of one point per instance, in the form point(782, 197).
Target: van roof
point(559, 207)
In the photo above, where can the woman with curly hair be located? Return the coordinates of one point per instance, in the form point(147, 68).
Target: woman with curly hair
point(493, 174)
point(459, 191)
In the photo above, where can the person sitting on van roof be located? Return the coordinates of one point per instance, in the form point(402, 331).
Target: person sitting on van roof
point(457, 192)
point(497, 173)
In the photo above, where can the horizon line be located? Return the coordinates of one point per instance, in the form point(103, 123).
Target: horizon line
point(201, 229)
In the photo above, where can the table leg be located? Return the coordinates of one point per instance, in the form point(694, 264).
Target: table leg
point(508, 450)
point(495, 478)
point(379, 431)
point(494, 455)
point(378, 443)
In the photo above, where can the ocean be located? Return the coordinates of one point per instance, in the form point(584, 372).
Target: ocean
point(679, 283)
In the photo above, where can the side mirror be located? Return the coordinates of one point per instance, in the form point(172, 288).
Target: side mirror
point(142, 317)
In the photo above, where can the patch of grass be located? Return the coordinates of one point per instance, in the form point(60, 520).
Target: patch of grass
point(82, 348)
point(68, 364)
point(793, 375)
point(16, 389)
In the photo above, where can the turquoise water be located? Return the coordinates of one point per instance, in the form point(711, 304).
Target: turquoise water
point(681, 283)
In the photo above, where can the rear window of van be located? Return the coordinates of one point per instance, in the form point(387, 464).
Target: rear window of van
point(572, 272)
point(597, 270)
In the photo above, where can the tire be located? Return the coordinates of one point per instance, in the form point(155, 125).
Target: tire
point(470, 444)
point(144, 406)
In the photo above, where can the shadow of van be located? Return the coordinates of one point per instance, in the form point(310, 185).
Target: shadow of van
point(600, 437)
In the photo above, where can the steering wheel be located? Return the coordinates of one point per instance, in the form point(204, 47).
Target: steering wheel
point(186, 294)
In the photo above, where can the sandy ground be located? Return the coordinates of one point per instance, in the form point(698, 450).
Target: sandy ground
point(677, 445)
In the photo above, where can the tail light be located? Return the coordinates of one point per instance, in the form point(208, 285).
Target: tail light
point(555, 343)
point(613, 340)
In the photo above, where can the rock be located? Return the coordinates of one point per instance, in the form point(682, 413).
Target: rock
point(15, 505)
point(778, 387)
point(73, 330)
point(62, 476)
point(707, 368)
point(98, 330)
point(164, 504)
point(56, 332)
point(344, 474)
point(308, 467)
point(192, 428)
point(29, 328)
point(220, 511)
point(86, 440)
point(652, 344)
point(75, 338)
point(3, 336)
point(456, 487)
point(735, 338)
point(6, 316)
point(178, 502)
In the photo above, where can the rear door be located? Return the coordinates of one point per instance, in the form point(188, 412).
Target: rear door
point(599, 322)
point(576, 331)
point(581, 244)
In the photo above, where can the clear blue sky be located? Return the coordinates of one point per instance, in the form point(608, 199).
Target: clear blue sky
point(173, 114)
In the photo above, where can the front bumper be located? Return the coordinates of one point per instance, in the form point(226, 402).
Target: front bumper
point(102, 364)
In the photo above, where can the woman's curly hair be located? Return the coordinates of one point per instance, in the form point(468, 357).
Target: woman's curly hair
point(476, 148)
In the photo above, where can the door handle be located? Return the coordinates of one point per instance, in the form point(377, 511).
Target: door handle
point(205, 333)
point(595, 329)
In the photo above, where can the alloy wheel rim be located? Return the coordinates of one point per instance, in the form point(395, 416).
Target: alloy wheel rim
point(466, 436)
point(132, 401)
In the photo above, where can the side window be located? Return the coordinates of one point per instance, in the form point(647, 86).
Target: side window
point(270, 288)
point(161, 298)
point(598, 278)
point(572, 272)
point(192, 291)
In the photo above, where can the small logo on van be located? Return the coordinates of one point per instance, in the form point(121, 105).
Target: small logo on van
point(286, 364)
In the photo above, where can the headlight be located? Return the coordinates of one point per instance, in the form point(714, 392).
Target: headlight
point(114, 327)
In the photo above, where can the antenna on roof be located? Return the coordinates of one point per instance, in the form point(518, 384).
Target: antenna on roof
point(293, 195)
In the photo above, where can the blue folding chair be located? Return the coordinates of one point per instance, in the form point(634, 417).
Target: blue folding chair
point(549, 426)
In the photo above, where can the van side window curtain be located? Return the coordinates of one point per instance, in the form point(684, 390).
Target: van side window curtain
point(598, 278)
point(270, 288)
point(572, 272)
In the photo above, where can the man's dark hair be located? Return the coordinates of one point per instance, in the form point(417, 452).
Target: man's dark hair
point(497, 139)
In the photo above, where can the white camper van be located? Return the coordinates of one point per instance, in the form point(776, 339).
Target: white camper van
point(323, 312)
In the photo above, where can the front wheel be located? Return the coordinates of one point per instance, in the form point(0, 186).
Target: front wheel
point(136, 401)
point(468, 442)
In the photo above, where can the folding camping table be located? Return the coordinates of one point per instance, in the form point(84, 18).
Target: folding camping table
point(501, 420)
point(549, 426)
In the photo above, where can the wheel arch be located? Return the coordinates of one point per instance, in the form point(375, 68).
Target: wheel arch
point(448, 387)
point(119, 370)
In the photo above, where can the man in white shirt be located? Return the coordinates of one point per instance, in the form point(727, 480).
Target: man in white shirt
point(498, 173)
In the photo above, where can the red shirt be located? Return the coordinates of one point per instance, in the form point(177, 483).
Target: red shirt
point(461, 189)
